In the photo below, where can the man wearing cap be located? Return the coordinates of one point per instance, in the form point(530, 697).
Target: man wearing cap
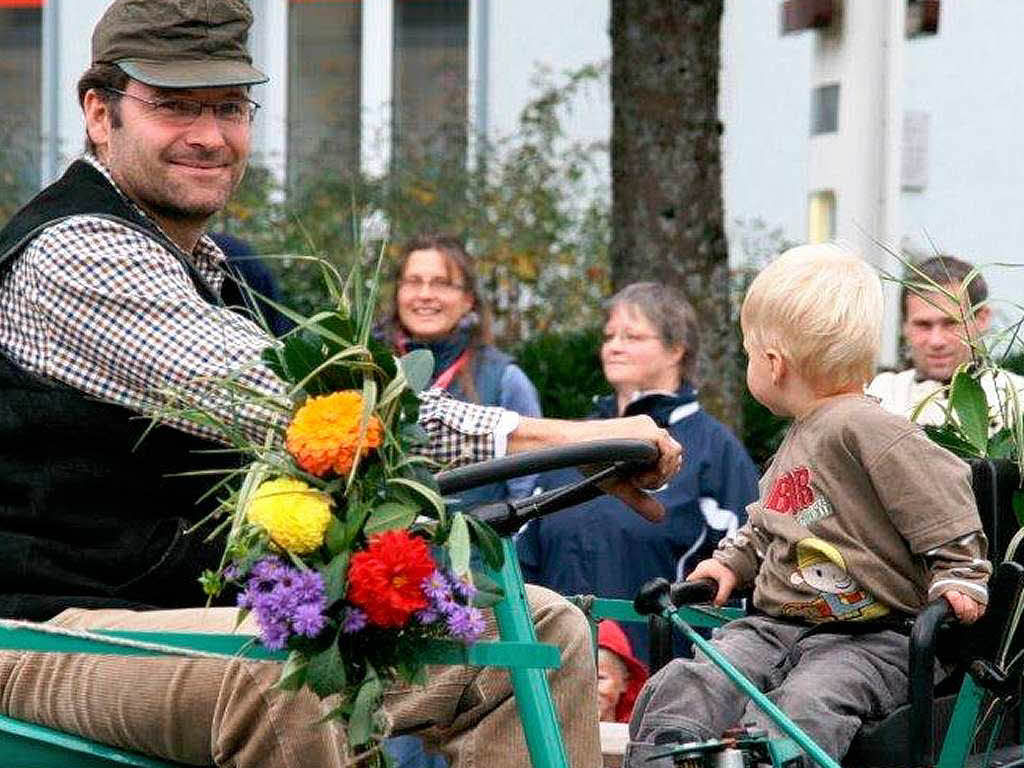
point(109, 295)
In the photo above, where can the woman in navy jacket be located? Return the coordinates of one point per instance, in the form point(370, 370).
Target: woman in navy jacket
point(648, 356)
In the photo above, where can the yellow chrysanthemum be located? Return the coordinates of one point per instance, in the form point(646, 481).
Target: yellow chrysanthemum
point(324, 433)
point(294, 514)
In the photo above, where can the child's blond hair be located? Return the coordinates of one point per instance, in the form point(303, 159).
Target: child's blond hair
point(821, 307)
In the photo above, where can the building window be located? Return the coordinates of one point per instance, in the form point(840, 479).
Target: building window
point(21, 37)
point(324, 53)
point(431, 79)
point(821, 216)
point(825, 109)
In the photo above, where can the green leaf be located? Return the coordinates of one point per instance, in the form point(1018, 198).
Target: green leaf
point(325, 673)
point(354, 520)
point(383, 356)
point(487, 541)
point(337, 536)
point(301, 357)
point(360, 722)
point(949, 438)
point(418, 367)
point(1001, 445)
point(967, 400)
point(414, 434)
point(459, 549)
point(488, 591)
point(429, 494)
point(336, 577)
point(293, 673)
point(412, 671)
point(390, 516)
point(1017, 500)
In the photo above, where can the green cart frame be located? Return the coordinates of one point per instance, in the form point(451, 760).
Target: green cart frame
point(26, 745)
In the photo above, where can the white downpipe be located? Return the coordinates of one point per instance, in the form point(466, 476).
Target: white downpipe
point(890, 214)
point(377, 86)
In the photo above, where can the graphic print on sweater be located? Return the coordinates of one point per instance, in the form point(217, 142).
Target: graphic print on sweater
point(793, 494)
point(821, 567)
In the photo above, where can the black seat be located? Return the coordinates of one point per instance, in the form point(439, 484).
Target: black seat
point(907, 737)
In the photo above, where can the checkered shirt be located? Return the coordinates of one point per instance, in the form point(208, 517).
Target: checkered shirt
point(101, 307)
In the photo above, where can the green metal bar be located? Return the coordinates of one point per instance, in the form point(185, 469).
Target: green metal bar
point(533, 694)
point(777, 716)
point(26, 745)
point(695, 616)
point(514, 655)
point(960, 733)
point(496, 654)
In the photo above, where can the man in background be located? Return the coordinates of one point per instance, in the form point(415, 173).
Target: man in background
point(941, 334)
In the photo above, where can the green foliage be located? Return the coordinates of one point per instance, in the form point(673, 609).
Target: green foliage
point(526, 207)
point(1014, 363)
point(762, 430)
point(966, 430)
point(566, 371)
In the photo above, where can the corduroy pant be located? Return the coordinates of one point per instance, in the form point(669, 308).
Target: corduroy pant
point(202, 711)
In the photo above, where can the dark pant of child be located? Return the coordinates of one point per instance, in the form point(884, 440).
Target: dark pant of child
point(828, 682)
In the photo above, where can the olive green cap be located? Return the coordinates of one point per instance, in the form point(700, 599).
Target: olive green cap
point(178, 43)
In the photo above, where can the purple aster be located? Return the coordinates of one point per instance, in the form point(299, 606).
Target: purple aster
point(465, 623)
point(464, 588)
point(284, 600)
point(436, 588)
point(427, 616)
point(267, 569)
point(274, 635)
point(354, 621)
point(231, 573)
point(309, 587)
point(244, 599)
point(308, 619)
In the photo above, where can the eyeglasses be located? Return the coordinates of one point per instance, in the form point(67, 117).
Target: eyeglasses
point(437, 284)
point(630, 337)
point(184, 112)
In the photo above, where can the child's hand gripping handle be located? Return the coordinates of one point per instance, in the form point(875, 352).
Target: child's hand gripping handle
point(657, 594)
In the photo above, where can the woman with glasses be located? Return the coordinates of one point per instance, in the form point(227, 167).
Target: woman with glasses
point(649, 358)
point(437, 306)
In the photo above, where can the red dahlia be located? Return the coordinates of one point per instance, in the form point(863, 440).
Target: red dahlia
point(386, 578)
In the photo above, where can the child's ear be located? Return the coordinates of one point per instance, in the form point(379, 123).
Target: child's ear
point(777, 365)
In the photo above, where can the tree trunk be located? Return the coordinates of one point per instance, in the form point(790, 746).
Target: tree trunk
point(667, 173)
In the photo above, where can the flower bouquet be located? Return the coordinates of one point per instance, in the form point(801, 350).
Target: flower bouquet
point(337, 539)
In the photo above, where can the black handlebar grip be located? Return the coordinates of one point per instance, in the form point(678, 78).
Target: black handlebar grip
point(650, 598)
point(690, 592)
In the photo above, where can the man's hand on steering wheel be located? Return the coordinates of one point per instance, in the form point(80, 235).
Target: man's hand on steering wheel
point(633, 490)
point(534, 434)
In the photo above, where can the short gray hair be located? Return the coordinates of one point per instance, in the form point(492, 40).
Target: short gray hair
point(671, 316)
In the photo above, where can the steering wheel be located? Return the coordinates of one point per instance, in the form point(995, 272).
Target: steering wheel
point(613, 457)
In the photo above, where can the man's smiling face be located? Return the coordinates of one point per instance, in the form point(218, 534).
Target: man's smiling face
point(937, 335)
point(178, 173)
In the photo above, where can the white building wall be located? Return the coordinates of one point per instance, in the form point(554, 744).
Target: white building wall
point(764, 101)
point(967, 78)
point(74, 20)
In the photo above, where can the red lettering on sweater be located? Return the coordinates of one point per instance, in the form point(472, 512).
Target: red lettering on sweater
point(791, 492)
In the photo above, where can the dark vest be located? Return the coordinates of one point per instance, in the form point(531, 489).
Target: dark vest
point(90, 515)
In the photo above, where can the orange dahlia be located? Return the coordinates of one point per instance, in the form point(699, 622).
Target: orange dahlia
point(386, 578)
point(324, 433)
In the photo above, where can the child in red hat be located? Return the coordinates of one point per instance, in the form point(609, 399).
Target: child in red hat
point(620, 676)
